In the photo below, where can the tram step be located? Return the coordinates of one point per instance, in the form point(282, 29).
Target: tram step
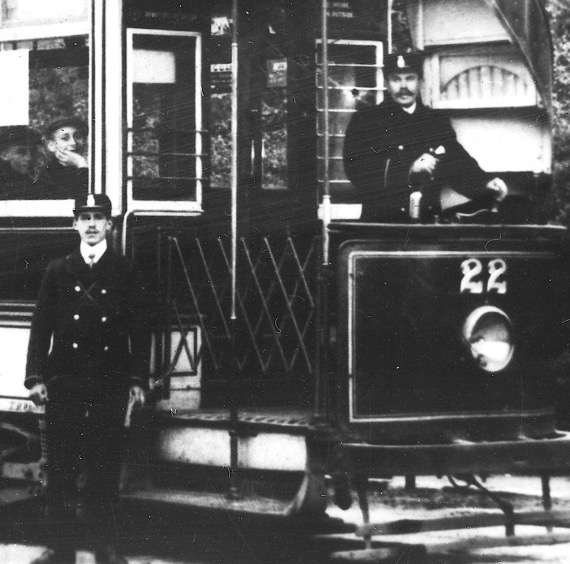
point(249, 504)
point(268, 440)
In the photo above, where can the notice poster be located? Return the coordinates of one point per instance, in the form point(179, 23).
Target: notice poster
point(358, 18)
point(14, 94)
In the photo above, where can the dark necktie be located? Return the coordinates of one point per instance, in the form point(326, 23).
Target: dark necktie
point(91, 260)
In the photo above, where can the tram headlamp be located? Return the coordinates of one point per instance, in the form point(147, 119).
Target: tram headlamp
point(488, 334)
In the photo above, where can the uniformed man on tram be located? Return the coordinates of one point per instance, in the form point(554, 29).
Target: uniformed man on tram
point(87, 356)
point(401, 146)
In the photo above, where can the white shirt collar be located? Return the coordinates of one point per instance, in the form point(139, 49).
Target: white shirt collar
point(95, 251)
point(410, 109)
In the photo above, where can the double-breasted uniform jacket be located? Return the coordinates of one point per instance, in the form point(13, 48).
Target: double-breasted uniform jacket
point(89, 324)
point(383, 141)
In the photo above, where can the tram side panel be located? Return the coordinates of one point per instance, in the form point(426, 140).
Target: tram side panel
point(447, 339)
point(25, 253)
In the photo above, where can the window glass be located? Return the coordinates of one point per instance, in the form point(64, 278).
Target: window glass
point(49, 82)
point(219, 55)
point(354, 82)
point(267, 105)
point(274, 132)
point(164, 140)
point(24, 13)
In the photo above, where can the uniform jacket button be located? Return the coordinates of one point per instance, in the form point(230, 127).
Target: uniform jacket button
point(77, 289)
point(103, 291)
point(103, 319)
point(75, 346)
point(106, 348)
point(76, 316)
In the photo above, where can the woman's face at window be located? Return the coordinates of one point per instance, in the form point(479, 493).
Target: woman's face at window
point(67, 138)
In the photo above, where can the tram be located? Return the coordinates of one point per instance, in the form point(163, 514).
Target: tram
point(292, 341)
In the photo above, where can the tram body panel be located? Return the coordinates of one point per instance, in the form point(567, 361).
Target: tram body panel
point(445, 339)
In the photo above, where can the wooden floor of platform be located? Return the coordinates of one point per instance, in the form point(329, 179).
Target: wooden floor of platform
point(281, 418)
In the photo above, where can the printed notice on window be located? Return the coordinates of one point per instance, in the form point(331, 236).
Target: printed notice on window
point(14, 94)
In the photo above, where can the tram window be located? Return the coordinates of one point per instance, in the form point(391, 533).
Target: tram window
point(274, 137)
point(25, 13)
point(49, 80)
point(354, 80)
point(268, 104)
point(164, 141)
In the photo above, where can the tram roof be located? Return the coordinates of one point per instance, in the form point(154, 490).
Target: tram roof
point(527, 23)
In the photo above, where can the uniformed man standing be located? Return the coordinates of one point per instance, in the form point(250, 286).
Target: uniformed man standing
point(401, 146)
point(86, 358)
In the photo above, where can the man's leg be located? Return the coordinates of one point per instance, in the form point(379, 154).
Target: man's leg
point(103, 456)
point(63, 434)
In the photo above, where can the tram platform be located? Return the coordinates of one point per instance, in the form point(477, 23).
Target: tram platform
point(250, 462)
point(295, 421)
point(269, 439)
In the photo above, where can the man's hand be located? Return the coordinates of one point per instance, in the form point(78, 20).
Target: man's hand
point(71, 159)
point(423, 168)
point(498, 186)
point(38, 394)
point(137, 396)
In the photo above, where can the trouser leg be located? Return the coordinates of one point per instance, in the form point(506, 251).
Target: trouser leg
point(103, 457)
point(64, 432)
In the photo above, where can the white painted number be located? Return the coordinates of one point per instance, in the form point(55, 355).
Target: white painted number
point(472, 282)
point(496, 282)
point(471, 268)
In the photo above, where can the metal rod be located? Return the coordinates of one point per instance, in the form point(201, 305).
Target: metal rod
point(390, 26)
point(321, 406)
point(326, 130)
point(234, 164)
point(165, 372)
point(233, 492)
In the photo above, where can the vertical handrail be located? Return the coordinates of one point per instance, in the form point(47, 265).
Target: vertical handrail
point(234, 158)
point(326, 131)
point(159, 349)
point(390, 26)
point(323, 280)
point(168, 323)
point(233, 491)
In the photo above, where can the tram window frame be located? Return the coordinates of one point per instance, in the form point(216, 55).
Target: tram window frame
point(164, 205)
point(33, 38)
point(340, 185)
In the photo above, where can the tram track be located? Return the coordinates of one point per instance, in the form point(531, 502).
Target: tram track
point(422, 514)
point(174, 535)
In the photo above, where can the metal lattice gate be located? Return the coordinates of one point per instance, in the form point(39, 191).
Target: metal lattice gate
point(276, 309)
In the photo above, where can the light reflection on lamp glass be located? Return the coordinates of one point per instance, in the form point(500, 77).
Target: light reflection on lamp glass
point(488, 334)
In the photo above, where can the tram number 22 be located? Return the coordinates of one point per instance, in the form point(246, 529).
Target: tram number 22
point(473, 281)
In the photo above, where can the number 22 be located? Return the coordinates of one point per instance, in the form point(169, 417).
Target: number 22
point(471, 282)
